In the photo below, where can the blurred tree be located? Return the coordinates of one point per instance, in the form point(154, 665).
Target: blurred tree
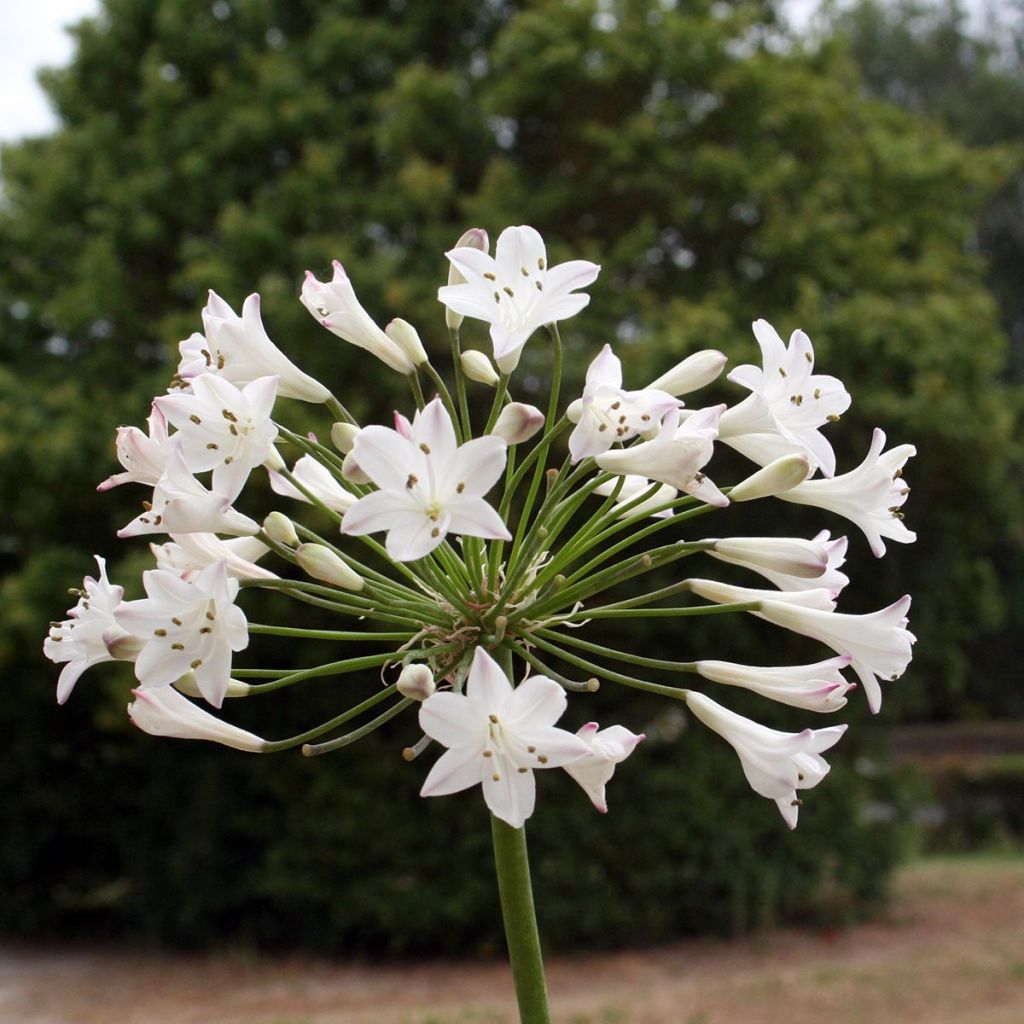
point(717, 171)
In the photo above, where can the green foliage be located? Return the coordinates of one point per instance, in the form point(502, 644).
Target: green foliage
point(719, 174)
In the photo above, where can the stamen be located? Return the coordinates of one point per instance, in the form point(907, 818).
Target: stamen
point(412, 481)
point(508, 291)
point(490, 276)
point(176, 621)
point(177, 647)
point(159, 632)
point(524, 272)
point(488, 753)
point(531, 750)
point(497, 297)
point(522, 771)
point(195, 419)
point(783, 372)
point(494, 719)
point(833, 418)
point(496, 777)
point(540, 263)
point(435, 532)
point(460, 487)
point(817, 392)
point(212, 446)
point(425, 448)
point(196, 663)
point(229, 415)
point(542, 758)
point(809, 357)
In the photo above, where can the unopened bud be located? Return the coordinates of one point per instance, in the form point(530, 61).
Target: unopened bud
point(518, 422)
point(351, 472)
point(323, 564)
point(776, 477)
point(274, 461)
point(343, 436)
point(404, 335)
point(188, 686)
point(277, 526)
point(416, 682)
point(476, 366)
point(474, 238)
point(693, 373)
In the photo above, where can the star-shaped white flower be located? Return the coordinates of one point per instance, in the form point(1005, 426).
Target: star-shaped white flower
point(608, 747)
point(775, 763)
point(498, 736)
point(515, 291)
point(429, 485)
point(869, 496)
point(606, 414)
point(81, 639)
point(144, 456)
point(676, 456)
point(238, 349)
point(187, 627)
point(788, 405)
point(163, 711)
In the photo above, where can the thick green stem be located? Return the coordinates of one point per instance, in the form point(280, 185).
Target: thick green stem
point(513, 870)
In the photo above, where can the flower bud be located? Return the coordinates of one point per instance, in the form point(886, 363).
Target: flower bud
point(323, 564)
point(343, 436)
point(277, 526)
point(474, 238)
point(351, 472)
point(476, 366)
point(404, 335)
point(416, 682)
point(274, 461)
point(163, 711)
point(776, 477)
point(692, 374)
point(187, 685)
point(518, 422)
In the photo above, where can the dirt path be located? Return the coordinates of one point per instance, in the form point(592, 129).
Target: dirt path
point(951, 951)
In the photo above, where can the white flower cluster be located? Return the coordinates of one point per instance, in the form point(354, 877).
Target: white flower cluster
point(463, 585)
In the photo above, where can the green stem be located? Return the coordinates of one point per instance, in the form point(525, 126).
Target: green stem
point(513, 870)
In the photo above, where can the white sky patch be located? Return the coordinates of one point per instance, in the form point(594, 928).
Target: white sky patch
point(32, 37)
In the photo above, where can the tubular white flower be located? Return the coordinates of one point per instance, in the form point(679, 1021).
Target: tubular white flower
point(223, 428)
point(818, 687)
point(477, 367)
point(675, 457)
point(429, 486)
point(474, 238)
point(606, 414)
point(324, 564)
point(189, 627)
point(870, 496)
point(692, 374)
point(789, 562)
point(773, 479)
point(634, 486)
point(166, 712)
point(515, 291)
point(608, 747)
point(181, 504)
point(318, 480)
point(775, 763)
point(238, 349)
point(335, 306)
point(787, 400)
point(518, 422)
point(82, 639)
point(726, 593)
point(188, 554)
point(144, 456)
point(878, 643)
point(498, 736)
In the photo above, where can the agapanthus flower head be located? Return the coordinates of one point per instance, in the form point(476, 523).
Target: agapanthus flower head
point(515, 291)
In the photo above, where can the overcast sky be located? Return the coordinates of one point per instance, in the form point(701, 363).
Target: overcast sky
point(33, 36)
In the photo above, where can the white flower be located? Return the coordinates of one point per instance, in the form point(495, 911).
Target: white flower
point(775, 763)
point(428, 485)
point(675, 457)
point(498, 736)
point(188, 627)
point(165, 712)
point(181, 504)
point(788, 404)
point(817, 687)
point(188, 554)
point(335, 306)
point(144, 456)
point(726, 593)
point(238, 349)
point(223, 428)
point(692, 374)
point(869, 496)
point(515, 291)
point(878, 643)
point(789, 562)
point(606, 414)
point(608, 747)
point(81, 639)
point(318, 480)
point(632, 487)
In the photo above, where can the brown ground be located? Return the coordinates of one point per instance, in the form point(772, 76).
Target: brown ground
point(950, 951)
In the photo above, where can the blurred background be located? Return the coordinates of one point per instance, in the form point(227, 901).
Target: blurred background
point(856, 170)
